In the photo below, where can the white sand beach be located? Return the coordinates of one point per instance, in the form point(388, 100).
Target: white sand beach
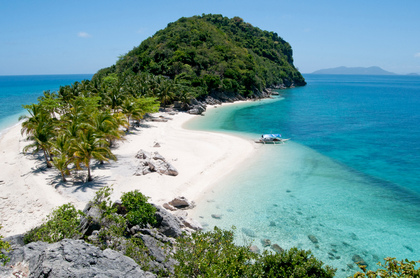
point(29, 191)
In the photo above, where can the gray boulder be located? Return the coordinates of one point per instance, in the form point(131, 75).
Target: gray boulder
point(91, 221)
point(69, 258)
point(181, 202)
point(167, 224)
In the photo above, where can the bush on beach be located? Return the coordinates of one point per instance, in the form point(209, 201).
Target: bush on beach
point(4, 247)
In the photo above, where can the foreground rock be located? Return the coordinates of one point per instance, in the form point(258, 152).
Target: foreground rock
point(69, 258)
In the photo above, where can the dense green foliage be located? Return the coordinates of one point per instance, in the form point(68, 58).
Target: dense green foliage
point(293, 263)
point(213, 254)
point(62, 223)
point(213, 53)
point(139, 211)
point(392, 268)
point(4, 247)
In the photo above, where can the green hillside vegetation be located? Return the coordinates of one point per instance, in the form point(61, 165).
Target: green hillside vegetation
point(212, 53)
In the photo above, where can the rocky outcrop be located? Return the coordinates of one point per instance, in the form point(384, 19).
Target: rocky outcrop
point(69, 258)
point(167, 223)
point(153, 162)
point(196, 107)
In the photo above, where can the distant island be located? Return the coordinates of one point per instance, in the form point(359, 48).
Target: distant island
point(355, 71)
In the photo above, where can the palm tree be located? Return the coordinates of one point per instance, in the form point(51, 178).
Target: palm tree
point(62, 154)
point(131, 110)
point(106, 126)
point(39, 127)
point(89, 146)
point(41, 135)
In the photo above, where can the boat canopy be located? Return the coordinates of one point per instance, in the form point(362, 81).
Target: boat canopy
point(271, 136)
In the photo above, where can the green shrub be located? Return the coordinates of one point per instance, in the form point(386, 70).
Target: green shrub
point(4, 247)
point(103, 201)
point(213, 254)
point(293, 263)
point(139, 211)
point(392, 268)
point(62, 223)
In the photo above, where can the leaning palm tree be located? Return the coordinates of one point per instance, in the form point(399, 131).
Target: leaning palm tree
point(89, 146)
point(41, 136)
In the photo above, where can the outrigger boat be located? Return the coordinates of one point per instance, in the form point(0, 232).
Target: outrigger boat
point(271, 139)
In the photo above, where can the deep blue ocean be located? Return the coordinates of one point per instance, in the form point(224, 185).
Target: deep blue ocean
point(349, 175)
point(16, 90)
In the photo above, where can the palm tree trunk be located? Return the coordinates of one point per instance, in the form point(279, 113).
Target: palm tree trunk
point(63, 178)
point(46, 159)
point(89, 178)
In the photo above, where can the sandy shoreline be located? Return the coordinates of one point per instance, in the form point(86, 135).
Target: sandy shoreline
point(28, 192)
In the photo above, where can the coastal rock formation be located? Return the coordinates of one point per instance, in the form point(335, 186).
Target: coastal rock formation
point(153, 162)
point(196, 107)
point(167, 223)
point(69, 258)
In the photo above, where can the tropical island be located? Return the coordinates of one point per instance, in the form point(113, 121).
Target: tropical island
point(355, 71)
point(134, 105)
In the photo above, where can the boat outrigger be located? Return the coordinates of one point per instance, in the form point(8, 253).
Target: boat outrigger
point(271, 139)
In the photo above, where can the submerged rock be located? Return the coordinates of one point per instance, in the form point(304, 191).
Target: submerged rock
point(313, 239)
point(249, 232)
point(216, 216)
point(265, 242)
point(277, 248)
point(357, 259)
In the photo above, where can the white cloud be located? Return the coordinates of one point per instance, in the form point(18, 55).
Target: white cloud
point(417, 55)
point(83, 35)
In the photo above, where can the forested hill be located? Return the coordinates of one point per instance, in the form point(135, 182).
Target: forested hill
point(213, 53)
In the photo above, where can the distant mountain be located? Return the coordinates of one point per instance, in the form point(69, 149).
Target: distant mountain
point(355, 70)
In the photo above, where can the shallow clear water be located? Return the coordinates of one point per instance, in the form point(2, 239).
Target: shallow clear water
point(16, 90)
point(349, 176)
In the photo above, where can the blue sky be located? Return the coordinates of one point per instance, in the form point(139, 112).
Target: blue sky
point(68, 37)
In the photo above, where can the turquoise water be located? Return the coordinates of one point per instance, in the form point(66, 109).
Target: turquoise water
point(349, 176)
point(25, 89)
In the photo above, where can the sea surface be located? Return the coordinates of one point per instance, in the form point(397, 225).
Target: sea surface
point(17, 90)
point(349, 176)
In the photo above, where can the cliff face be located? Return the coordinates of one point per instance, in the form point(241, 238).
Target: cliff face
point(212, 53)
